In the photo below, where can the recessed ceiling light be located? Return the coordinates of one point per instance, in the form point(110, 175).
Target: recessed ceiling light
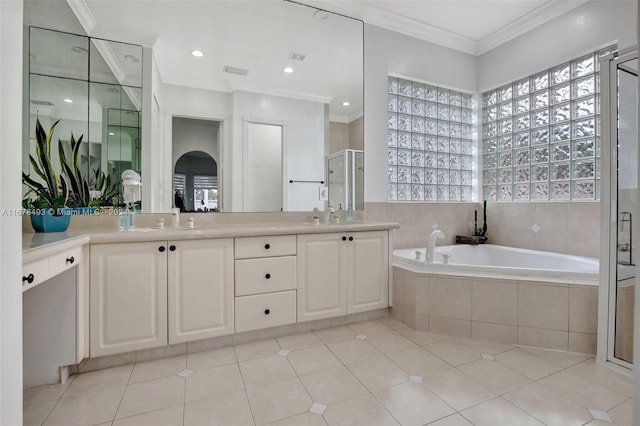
point(320, 14)
point(111, 134)
point(288, 70)
point(131, 58)
point(68, 100)
point(197, 53)
point(79, 49)
point(346, 103)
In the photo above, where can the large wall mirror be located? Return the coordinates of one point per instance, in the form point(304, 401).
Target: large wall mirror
point(92, 89)
point(239, 83)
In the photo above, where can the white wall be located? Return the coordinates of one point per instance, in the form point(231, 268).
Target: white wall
point(194, 135)
point(582, 30)
point(304, 144)
point(10, 226)
point(387, 52)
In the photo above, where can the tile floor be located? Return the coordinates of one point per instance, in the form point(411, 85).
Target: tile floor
point(371, 373)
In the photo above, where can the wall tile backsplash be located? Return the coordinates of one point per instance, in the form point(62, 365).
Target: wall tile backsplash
point(561, 227)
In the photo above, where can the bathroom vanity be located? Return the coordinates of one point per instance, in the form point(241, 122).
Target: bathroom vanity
point(149, 288)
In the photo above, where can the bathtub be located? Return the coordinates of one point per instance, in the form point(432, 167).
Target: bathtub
point(493, 261)
point(499, 294)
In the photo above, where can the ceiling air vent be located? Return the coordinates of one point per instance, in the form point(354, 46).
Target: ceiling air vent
point(234, 70)
point(294, 56)
point(41, 103)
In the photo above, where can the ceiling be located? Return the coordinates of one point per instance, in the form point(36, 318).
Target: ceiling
point(174, 28)
point(471, 26)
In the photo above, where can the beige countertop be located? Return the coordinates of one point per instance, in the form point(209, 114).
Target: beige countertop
point(39, 245)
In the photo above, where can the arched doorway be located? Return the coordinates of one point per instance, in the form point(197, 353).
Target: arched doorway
point(195, 182)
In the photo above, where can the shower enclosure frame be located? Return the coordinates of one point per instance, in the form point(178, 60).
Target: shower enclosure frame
point(607, 296)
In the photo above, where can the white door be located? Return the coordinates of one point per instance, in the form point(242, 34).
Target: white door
point(200, 283)
point(263, 168)
point(367, 271)
point(128, 297)
point(321, 276)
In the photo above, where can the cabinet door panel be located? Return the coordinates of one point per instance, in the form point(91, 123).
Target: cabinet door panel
point(368, 271)
point(128, 297)
point(200, 289)
point(321, 276)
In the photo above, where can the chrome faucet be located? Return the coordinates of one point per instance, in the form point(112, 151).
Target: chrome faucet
point(431, 245)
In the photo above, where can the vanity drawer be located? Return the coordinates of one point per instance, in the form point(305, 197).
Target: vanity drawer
point(34, 273)
point(250, 247)
point(62, 261)
point(265, 275)
point(265, 310)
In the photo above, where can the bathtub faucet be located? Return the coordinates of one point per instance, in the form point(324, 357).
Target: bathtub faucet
point(431, 245)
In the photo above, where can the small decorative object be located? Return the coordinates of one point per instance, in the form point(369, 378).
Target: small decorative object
point(51, 190)
point(477, 232)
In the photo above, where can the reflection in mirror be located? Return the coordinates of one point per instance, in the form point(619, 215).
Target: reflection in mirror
point(263, 168)
point(195, 180)
point(239, 79)
point(195, 159)
point(627, 204)
point(346, 180)
point(82, 82)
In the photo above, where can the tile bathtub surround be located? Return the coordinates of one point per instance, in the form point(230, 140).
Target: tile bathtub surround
point(538, 314)
point(329, 377)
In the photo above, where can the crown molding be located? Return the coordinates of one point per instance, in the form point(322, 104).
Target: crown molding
point(84, 15)
point(543, 14)
point(414, 28)
point(420, 30)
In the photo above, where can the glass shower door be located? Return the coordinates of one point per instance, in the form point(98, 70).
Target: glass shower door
point(627, 196)
point(619, 208)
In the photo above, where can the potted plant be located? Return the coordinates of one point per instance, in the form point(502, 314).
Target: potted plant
point(51, 191)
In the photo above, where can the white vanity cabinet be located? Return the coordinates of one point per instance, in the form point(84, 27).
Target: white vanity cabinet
point(342, 273)
point(322, 276)
point(367, 271)
point(149, 294)
point(200, 284)
point(265, 285)
point(128, 297)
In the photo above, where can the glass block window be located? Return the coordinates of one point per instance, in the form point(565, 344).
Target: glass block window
point(430, 143)
point(541, 135)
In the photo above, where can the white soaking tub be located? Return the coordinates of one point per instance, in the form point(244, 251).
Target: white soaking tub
point(493, 261)
point(499, 294)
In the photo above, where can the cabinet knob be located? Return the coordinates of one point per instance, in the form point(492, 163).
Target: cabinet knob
point(267, 246)
point(172, 247)
point(267, 311)
point(29, 278)
point(344, 238)
point(350, 238)
point(70, 260)
point(161, 249)
point(267, 276)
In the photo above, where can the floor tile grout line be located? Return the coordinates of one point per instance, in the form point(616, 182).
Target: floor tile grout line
point(576, 402)
point(562, 368)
